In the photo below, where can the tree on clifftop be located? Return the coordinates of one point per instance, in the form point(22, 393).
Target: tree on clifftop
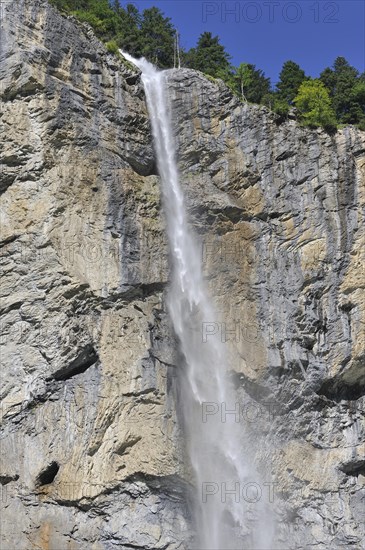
point(209, 56)
point(129, 37)
point(251, 83)
point(346, 91)
point(314, 105)
point(158, 35)
point(290, 78)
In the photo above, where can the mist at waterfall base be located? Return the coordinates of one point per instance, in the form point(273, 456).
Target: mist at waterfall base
point(223, 518)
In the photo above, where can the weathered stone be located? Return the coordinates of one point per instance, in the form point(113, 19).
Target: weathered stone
point(91, 448)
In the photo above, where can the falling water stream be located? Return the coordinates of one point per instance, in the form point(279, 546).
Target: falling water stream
point(215, 443)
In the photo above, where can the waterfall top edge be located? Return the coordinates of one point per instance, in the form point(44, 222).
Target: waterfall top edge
point(141, 63)
point(146, 66)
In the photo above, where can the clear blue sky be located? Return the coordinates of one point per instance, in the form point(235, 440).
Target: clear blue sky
point(268, 32)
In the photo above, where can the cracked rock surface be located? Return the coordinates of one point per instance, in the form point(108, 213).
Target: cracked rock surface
point(91, 452)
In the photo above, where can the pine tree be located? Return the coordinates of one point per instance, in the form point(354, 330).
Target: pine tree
point(157, 35)
point(129, 37)
point(314, 104)
point(345, 85)
point(209, 56)
point(152, 35)
point(290, 78)
point(358, 102)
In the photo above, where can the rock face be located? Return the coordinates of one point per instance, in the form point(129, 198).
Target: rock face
point(92, 454)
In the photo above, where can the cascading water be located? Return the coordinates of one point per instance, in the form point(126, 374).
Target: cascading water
point(216, 448)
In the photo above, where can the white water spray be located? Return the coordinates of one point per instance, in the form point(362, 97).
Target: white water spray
point(222, 511)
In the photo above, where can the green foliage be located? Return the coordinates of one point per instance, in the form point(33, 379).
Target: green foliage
point(358, 99)
point(268, 99)
point(209, 56)
point(129, 36)
point(337, 97)
point(361, 125)
point(211, 78)
point(290, 78)
point(281, 108)
point(157, 38)
point(90, 18)
point(314, 104)
point(346, 89)
point(251, 83)
point(112, 46)
point(243, 79)
point(99, 14)
point(149, 34)
point(71, 5)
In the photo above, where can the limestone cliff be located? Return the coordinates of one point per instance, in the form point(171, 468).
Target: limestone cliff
point(91, 453)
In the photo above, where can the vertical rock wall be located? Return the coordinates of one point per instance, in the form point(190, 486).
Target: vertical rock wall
point(90, 452)
point(89, 446)
point(280, 213)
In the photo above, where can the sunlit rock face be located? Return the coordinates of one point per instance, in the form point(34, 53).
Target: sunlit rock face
point(92, 453)
point(280, 214)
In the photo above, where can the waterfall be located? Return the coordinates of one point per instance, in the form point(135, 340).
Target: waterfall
point(215, 445)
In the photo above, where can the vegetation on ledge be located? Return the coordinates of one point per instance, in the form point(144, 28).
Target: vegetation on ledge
point(334, 99)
